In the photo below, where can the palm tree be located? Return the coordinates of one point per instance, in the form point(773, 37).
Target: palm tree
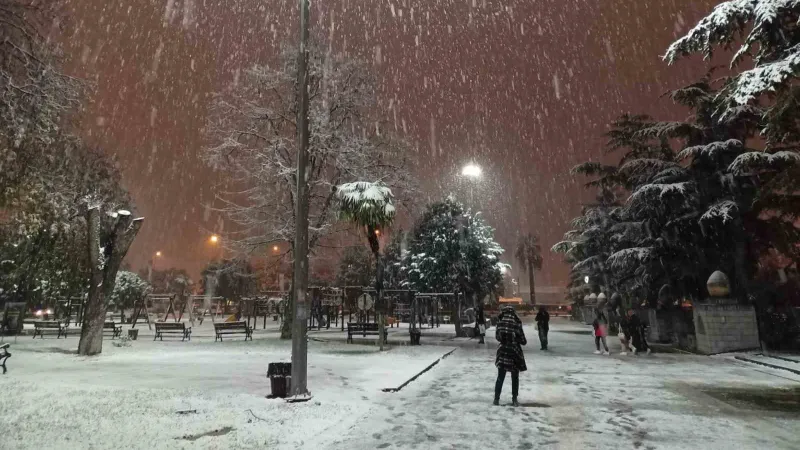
point(370, 207)
point(529, 254)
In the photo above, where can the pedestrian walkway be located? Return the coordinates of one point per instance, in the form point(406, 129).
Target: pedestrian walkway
point(573, 399)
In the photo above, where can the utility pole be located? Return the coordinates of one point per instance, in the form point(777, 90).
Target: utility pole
point(299, 331)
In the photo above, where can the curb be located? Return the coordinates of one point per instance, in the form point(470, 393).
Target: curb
point(431, 366)
point(781, 358)
point(771, 366)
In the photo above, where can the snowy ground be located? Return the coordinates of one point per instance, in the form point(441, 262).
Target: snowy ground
point(128, 398)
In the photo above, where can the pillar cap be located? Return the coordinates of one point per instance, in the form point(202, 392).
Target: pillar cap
point(718, 285)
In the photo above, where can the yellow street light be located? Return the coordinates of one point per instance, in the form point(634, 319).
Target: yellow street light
point(214, 239)
point(158, 254)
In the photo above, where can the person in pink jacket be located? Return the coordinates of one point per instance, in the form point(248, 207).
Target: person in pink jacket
point(600, 325)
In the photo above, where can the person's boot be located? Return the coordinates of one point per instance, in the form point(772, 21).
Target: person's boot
point(496, 402)
point(514, 402)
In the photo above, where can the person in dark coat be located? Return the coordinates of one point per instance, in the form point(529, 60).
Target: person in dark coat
point(624, 334)
point(636, 328)
point(543, 325)
point(509, 353)
point(480, 324)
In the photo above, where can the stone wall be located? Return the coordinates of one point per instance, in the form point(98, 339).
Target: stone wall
point(724, 326)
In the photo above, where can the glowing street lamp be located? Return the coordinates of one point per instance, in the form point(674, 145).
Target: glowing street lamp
point(214, 239)
point(158, 254)
point(275, 248)
point(472, 170)
point(586, 279)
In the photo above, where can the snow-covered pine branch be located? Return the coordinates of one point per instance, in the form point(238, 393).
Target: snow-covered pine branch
point(723, 210)
point(719, 27)
point(778, 55)
point(641, 170)
point(753, 162)
point(629, 259)
point(563, 247)
point(655, 192)
point(751, 84)
point(711, 150)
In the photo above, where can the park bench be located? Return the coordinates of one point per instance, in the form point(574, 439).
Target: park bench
point(172, 328)
point(42, 326)
point(4, 355)
point(230, 328)
point(113, 328)
point(363, 329)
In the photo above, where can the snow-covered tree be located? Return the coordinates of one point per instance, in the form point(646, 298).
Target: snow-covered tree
point(689, 212)
point(35, 97)
point(767, 33)
point(452, 250)
point(128, 289)
point(253, 136)
point(393, 275)
point(370, 207)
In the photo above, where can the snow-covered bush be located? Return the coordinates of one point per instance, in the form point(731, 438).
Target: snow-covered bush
point(129, 288)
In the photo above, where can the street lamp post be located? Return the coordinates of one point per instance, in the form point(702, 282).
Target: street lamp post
point(299, 387)
point(152, 266)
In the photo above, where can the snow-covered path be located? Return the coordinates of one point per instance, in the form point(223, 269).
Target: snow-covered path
point(573, 399)
point(130, 398)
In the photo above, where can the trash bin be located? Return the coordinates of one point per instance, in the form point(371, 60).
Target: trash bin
point(133, 333)
point(415, 335)
point(280, 378)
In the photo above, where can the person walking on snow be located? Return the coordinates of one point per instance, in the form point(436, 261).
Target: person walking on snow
point(637, 331)
point(543, 325)
point(624, 334)
point(600, 325)
point(480, 324)
point(509, 334)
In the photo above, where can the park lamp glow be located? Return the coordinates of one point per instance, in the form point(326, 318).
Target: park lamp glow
point(472, 170)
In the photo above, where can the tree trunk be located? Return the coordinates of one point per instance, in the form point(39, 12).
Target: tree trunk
point(288, 313)
point(532, 282)
point(94, 312)
point(104, 268)
point(742, 276)
point(374, 245)
point(459, 328)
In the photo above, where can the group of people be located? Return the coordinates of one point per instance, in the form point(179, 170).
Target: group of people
point(511, 338)
point(632, 333)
